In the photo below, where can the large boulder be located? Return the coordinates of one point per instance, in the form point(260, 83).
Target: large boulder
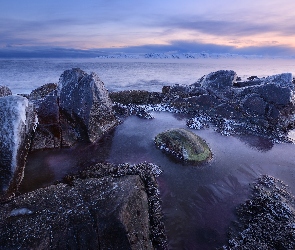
point(219, 80)
point(85, 107)
point(183, 145)
point(78, 108)
point(103, 207)
point(17, 122)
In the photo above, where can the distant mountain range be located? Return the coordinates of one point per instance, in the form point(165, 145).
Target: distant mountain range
point(182, 56)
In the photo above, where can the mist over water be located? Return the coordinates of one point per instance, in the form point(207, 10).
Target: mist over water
point(24, 75)
point(198, 201)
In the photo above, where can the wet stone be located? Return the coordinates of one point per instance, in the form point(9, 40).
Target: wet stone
point(183, 145)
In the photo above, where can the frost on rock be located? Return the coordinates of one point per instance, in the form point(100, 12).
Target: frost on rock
point(17, 121)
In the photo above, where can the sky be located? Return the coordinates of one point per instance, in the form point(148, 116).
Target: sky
point(86, 28)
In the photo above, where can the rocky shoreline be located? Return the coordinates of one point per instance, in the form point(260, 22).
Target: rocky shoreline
point(80, 109)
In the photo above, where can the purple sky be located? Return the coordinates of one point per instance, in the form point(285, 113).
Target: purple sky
point(64, 27)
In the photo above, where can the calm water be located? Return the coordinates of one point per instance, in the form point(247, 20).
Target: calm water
point(198, 201)
point(22, 76)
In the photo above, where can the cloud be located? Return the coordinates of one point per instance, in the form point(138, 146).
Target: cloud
point(174, 46)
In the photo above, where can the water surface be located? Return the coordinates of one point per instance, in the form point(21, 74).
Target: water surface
point(198, 201)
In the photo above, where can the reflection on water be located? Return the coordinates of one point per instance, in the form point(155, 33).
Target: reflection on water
point(198, 201)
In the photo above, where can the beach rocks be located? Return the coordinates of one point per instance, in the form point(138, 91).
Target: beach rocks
point(218, 80)
point(78, 108)
point(17, 122)
point(48, 132)
point(5, 91)
point(266, 221)
point(183, 145)
point(139, 97)
point(104, 207)
point(263, 106)
point(85, 107)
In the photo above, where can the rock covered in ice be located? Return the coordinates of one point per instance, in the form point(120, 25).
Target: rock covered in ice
point(17, 121)
point(183, 145)
point(86, 109)
point(5, 91)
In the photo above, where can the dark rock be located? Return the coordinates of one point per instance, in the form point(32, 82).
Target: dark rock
point(197, 91)
point(247, 83)
point(5, 91)
point(254, 105)
point(104, 207)
point(266, 221)
point(202, 102)
point(17, 122)
point(183, 145)
point(85, 107)
point(275, 94)
point(219, 80)
point(251, 78)
point(138, 97)
point(166, 89)
point(42, 91)
point(48, 133)
point(283, 80)
point(227, 111)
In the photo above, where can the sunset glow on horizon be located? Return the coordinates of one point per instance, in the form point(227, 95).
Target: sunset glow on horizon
point(245, 27)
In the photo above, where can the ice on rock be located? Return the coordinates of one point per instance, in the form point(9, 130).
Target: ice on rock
point(13, 129)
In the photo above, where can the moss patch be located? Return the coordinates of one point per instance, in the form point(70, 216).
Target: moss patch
point(183, 145)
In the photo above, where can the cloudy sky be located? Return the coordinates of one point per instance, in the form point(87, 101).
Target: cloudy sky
point(68, 27)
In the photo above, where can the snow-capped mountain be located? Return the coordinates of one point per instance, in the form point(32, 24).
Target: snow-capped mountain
point(179, 56)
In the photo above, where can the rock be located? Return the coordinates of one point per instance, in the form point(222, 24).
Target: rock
point(5, 91)
point(48, 133)
point(130, 97)
point(183, 145)
point(283, 80)
point(203, 102)
point(252, 78)
point(247, 83)
point(275, 94)
point(103, 207)
point(85, 107)
point(253, 104)
point(17, 122)
point(266, 220)
point(227, 111)
point(42, 91)
point(219, 80)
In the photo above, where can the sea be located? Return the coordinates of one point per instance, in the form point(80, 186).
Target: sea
point(24, 75)
point(198, 202)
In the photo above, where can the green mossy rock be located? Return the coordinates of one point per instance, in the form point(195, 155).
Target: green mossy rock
point(183, 145)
